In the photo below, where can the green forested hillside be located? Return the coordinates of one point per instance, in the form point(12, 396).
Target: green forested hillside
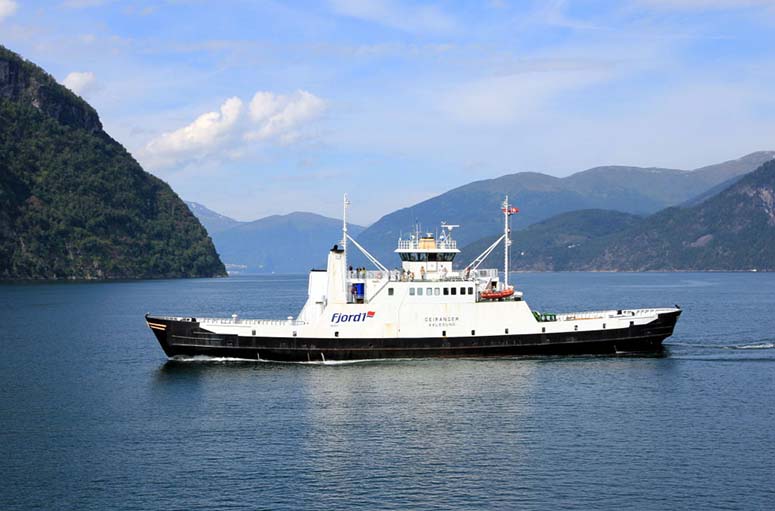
point(635, 190)
point(732, 230)
point(555, 244)
point(74, 204)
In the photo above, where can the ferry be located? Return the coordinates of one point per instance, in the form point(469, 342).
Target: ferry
point(425, 309)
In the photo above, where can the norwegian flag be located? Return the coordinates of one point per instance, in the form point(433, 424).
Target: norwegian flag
point(370, 314)
point(511, 210)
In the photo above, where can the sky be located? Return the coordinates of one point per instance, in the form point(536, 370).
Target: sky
point(255, 108)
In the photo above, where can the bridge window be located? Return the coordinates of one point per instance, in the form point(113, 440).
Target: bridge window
point(419, 291)
point(436, 291)
point(470, 290)
point(446, 291)
point(429, 291)
point(411, 291)
point(462, 290)
point(390, 291)
point(454, 290)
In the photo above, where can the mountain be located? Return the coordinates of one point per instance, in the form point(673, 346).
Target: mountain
point(732, 230)
point(212, 221)
point(74, 204)
point(292, 243)
point(633, 190)
point(553, 244)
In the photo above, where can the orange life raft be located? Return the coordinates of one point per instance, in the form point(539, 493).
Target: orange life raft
point(494, 295)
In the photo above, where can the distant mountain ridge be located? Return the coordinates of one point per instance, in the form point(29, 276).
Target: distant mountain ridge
point(74, 204)
point(212, 221)
point(634, 190)
point(732, 230)
point(292, 243)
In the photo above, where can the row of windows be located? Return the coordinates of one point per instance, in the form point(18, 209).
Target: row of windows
point(426, 256)
point(435, 291)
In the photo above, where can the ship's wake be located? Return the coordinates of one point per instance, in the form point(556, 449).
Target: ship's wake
point(756, 345)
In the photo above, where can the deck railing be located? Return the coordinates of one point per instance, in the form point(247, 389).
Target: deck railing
point(240, 321)
point(438, 245)
point(398, 276)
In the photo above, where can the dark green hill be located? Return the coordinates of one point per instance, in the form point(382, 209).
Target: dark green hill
point(734, 230)
point(633, 190)
point(292, 243)
point(74, 204)
point(553, 244)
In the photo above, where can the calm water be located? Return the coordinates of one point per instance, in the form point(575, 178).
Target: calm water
point(94, 416)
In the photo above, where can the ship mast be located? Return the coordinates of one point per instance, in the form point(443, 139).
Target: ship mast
point(507, 212)
point(345, 204)
point(506, 242)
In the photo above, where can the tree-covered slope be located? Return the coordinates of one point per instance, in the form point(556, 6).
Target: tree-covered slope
point(734, 230)
point(633, 190)
point(554, 244)
point(74, 204)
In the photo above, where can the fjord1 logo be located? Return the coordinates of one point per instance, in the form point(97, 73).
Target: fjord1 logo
point(351, 318)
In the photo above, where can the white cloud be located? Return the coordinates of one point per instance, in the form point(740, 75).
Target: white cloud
point(280, 115)
point(394, 14)
point(7, 8)
point(207, 132)
point(80, 82)
point(231, 132)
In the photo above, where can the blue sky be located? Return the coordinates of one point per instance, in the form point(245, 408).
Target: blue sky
point(254, 108)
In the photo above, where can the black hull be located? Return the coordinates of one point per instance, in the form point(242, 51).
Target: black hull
point(186, 338)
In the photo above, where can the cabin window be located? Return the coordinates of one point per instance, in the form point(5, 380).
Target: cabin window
point(507, 330)
point(429, 291)
point(419, 291)
point(470, 290)
point(254, 332)
point(436, 291)
point(603, 325)
point(473, 332)
point(454, 290)
point(414, 256)
point(446, 291)
point(390, 291)
point(411, 291)
point(462, 290)
point(575, 327)
point(543, 330)
point(443, 333)
point(632, 323)
point(336, 334)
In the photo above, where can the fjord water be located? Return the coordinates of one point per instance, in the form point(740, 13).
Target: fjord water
point(95, 417)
